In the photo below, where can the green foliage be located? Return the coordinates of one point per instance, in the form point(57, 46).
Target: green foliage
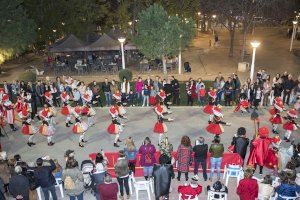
point(28, 77)
point(159, 34)
point(16, 29)
point(65, 17)
point(125, 73)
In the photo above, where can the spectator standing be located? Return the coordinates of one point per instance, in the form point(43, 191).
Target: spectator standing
point(176, 91)
point(122, 174)
point(45, 178)
point(40, 91)
point(188, 93)
point(216, 149)
point(145, 94)
point(138, 90)
point(248, 187)
point(258, 94)
point(113, 88)
point(100, 168)
point(4, 169)
point(237, 88)
point(162, 174)
point(19, 185)
point(265, 187)
point(288, 187)
point(147, 151)
point(240, 143)
point(201, 85)
point(96, 94)
point(228, 91)
point(131, 153)
point(107, 92)
point(266, 92)
point(108, 190)
point(168, 90)
point(288, 86)
point(149, 82)
point(278, 88)
point(184, 157)
point(157, 84)
point(73, 176)
point(200, 156)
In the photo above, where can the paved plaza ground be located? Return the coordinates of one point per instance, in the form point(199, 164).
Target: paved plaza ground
point(189, 121)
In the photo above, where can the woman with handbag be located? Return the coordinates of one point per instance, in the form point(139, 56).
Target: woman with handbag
point(73, 180)
point(184, 157)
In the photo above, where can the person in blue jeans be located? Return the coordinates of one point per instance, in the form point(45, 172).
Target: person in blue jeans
point(107, 91)
point(45, 178)
point(216, 149)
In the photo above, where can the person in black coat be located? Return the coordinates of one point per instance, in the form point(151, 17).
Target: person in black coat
point(19, 185)
point(240, 142)
point(162, 174)
point(200, 156)
point(45, 178)
point(288, 86)
point(176, 90)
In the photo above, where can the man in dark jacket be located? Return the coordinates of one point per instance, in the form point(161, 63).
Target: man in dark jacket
point(107, 91)
point(176, 91)
point(200, 156)
point(240, 142)
point(19, 185)
point(44, 177)
point(162, 173)
point(288, 86)
point(40, 91)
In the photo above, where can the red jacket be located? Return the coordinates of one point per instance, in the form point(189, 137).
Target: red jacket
point(259, 151)
point(247, 189)
point(108, 191)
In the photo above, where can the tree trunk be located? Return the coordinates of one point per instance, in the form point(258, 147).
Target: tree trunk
point(232, 34)
point(244, 44)
point(164, 61)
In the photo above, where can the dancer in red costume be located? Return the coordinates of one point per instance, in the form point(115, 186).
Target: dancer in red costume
point(47, 129)
point(215, 123)
point(27, 128)
point(9, 111)
point(290, 125)
point(80, 127)
point(208, 109)
point(115, 128)
point(259, 149)
point(160, 128)
point(276, 115)
point(66, 110)
point(161, 111)
point(272, 159)
point(243, 105)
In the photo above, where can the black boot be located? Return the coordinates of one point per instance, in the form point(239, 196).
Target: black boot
point(67, 125)
point(116, 145)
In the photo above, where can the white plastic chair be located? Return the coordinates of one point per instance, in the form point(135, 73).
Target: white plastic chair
point(211, 195)
point(189, 197)
point(232, 171)
point(58, 183)
point(139, 186)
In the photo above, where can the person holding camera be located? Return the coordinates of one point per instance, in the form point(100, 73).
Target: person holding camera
point(45, 178)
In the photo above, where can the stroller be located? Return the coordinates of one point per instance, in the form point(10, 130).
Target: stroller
point(87, 167)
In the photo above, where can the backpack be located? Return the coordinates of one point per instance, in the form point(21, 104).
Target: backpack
point(69, 183)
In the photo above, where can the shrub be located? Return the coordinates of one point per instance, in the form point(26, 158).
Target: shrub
point(28, 77)
point(125, 73)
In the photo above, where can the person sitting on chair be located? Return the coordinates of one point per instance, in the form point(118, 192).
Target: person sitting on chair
point(190, 191)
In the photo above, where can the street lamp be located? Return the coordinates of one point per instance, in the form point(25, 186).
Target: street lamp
point(122, 41)
point(214, 17)
point(295, 23)
point(254, 45)
point(179, 57)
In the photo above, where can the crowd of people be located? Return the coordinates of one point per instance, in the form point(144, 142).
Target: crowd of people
point(76, 102)
point(20, 179)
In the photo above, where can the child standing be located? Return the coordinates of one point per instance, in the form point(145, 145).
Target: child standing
point(202, 93)
point(145, 94)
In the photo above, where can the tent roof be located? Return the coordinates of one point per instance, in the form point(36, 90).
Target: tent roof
point(104, 43)
point(67, 44)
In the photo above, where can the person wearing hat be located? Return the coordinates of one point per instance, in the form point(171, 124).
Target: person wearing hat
point(276, 115)
point(240, 143)
point(248, 187)
point(215, 124)
point(290, 125)
point(8, 108)
point(208, 109)
point(191, 191)
point(259, 149)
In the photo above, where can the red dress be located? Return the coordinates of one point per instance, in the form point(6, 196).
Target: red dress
point(65, 110)
point(289, 126)
point(152, 100)
point(271, 161)
point(208, 109)
point(113, 129)
point(244, 104)
point(215, 127)
point(276, 119)
point(160, 128)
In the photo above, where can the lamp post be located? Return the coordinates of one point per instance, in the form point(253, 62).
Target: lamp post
point(214, 17)
point(179, 58)
point(254, 44)
point(122, 40)
point(295, 23)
